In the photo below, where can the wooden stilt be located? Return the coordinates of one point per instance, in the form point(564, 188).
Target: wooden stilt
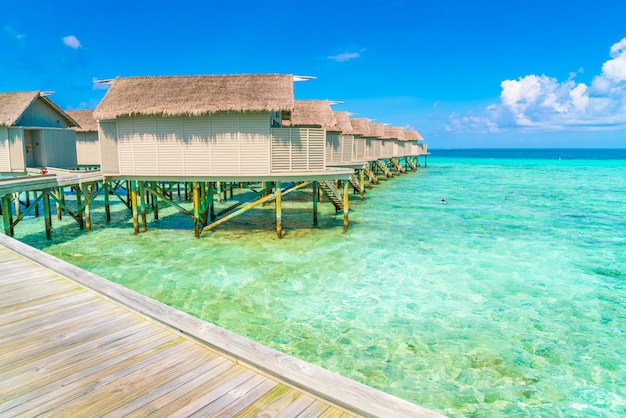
point(279, 221)
point(346, 206)
point(27, 199)
point(79, 208)
point(196, 209)
point(211, 204)
point(133, 199)
point(155, 201)
point(142, 205)
point(218, 191)
point(7, 215)
point(107, 204)
point(58, 192)
point(88, 192)
point(36, 205)
point(362, 182)
point(46, 213)
point(18, 209)
point(316, 198)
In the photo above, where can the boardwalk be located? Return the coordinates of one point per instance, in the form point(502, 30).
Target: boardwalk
point(71, 348)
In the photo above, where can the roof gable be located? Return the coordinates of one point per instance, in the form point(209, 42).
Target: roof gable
point(14, 107)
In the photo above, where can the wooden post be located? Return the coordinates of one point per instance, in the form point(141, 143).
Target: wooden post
point(211, 204)
point(279, 221)
point(27, 199)
point(196, 209)
point(133, 206)
point(142, 205)
point(7, 214)
point(36, 204)
point(316, 197)
point(155, 201)
point(46, 213)
point(107, 204)
point(346, 206)
point(79, 207)
point(89, 189)
point(362, 182)
point(58, 192)
point(218, 191)
point(231, 190)
point(18, 209)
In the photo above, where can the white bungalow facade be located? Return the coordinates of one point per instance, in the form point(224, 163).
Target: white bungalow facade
point(34, 133)
point(219, 128)
point(87, 146)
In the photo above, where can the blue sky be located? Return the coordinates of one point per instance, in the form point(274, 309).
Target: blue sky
point(464, 73)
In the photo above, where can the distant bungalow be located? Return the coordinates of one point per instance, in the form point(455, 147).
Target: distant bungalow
point(87, 146)
point(34, 133)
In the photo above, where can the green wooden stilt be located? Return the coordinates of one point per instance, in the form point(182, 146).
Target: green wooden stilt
point(27, 199)
point(79, 208)
point(7, 214)
point(36, 205)
point(87, 191)
point(133, 199)
point(211, 204)
point(155, 201)
point(346, 205)
point(231, 190)
point(196, 209)
point(58, 191)
point(316, 198)
point(107, 204)
point(142, 205)
point(218, 191)
point(279, 221)
point(46, 213)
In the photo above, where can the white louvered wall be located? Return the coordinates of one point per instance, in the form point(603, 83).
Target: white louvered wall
point(298, 150)
point(5, 159)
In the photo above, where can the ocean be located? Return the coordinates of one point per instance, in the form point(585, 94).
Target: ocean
point(507, 300)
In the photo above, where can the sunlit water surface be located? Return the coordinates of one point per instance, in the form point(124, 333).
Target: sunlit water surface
point(509, 300)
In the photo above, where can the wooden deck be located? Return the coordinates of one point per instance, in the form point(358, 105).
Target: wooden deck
point(74, 344)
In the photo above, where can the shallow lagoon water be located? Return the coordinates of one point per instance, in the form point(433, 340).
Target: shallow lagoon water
point(509, 300)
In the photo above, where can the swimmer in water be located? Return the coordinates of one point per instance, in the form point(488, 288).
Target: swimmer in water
point(443, 201)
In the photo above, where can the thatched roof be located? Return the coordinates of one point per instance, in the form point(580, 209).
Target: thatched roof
point(343, 121)
point(85, 119)
point(311, 113)
point(196, 95)
point(394, 132)
point(13, 106)
point(360, 126)
point(412, 135)
point(377, 129)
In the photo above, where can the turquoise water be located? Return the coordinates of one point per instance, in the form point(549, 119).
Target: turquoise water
point(509, 300)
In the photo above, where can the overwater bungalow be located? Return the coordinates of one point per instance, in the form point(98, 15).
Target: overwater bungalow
point(34, 133)
point(208, 128)
point(218, 127)
point(360, 130)
point(87, 146)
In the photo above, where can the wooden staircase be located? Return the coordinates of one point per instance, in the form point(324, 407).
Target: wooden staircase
point(384, 168)
point(356, 184)
point(332, 193)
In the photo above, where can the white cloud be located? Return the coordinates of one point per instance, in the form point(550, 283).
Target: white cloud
point(97, 85)
point(346, 56)
point(71, 41)
point(14, 33)
point(542, 102)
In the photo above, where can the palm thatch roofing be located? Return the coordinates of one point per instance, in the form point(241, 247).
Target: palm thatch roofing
point(412, 135)
point(85, 119)
point(394, 132)
point(377, 129)
point(360, 126)
point(313, 113)
point(196, 95)
point(343, 122)
point(13, 106)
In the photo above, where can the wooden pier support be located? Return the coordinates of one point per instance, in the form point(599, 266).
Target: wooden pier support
point(79, 208)
point(46, 213)
point(133, 199)
point(7, 215)
point(346, 205)
point(362, 182)
point(142, 205)
point(196, 210)
point(279, 221)
point(58, 192)
point(316, 198)
point(107, 205)
point(87, 190)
